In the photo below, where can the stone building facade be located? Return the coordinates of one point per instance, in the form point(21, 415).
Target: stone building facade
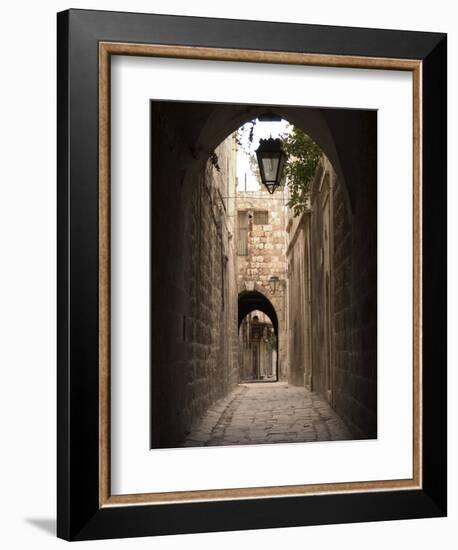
point(261, 255)
point(212, 321)
point(332, 303)
point(202, 351)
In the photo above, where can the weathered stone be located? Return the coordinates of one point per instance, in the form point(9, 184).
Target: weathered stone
point(266, 259)
point(201, 350)
point(333, 339)
point(268, 413)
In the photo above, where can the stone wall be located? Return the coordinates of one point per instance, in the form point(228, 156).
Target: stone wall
point(323, 340)
point(298, 322)
point(266, 257)
point(333, 340)
point(195, 348)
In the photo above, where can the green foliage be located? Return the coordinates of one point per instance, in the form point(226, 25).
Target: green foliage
point(303, 155)
point(302, 158)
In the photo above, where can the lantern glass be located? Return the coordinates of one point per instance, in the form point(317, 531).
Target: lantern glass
point(270, 165)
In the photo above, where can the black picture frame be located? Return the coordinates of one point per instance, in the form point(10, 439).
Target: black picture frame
point(80, 516)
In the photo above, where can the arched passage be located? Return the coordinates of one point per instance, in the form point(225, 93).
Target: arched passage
point(219, 123)
point(225, 119)
point(191, 300)
point(252, 300)
point(249, 301)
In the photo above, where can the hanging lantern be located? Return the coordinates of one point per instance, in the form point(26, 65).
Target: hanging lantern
point(271, 159)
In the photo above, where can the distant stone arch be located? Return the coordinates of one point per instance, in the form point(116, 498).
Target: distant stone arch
point(253, 300)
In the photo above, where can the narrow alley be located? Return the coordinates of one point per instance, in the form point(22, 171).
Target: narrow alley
point(263, 274)
point(269, 412)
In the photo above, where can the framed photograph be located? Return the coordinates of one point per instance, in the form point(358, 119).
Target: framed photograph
point(251, 274)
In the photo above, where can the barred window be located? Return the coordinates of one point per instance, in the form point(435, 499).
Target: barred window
point(261, 217)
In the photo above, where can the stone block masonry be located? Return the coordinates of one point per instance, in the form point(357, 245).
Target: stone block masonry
point(265, 255)
point(333, 300)
point(194, 351)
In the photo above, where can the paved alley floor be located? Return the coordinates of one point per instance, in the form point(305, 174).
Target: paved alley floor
point(270, 412)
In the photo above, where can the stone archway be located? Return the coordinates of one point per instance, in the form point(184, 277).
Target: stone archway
point(183, 137)
point(253, 300)
point(225, 119)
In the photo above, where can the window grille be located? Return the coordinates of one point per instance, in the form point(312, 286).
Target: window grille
point(261, 217)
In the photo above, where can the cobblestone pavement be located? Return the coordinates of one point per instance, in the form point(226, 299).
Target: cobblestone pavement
point(271, 412)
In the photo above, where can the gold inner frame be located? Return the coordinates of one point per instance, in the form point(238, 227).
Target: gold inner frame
point(106, 50)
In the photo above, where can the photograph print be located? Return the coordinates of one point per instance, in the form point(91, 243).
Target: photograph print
point(263, 282)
